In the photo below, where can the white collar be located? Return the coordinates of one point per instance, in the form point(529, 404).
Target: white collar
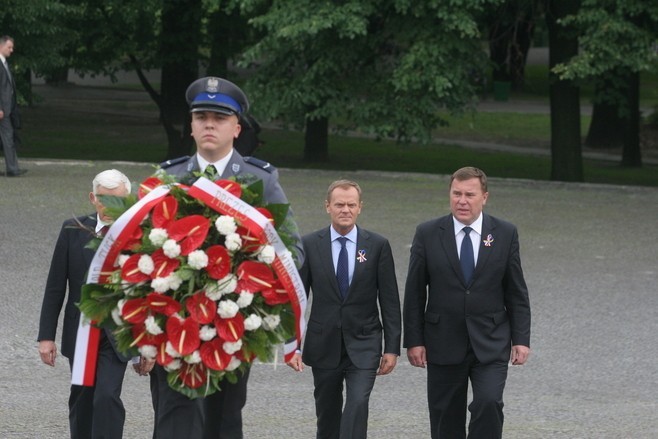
point(220, 164)
point(476, 225)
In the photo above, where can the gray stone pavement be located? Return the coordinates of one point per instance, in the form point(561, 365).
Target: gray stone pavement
point(589, 256)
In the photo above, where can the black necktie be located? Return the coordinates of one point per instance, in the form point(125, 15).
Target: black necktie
point(211, 172)
point(467, 259)
point(342, 269)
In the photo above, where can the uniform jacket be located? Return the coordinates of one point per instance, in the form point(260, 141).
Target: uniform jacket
point(357, 319)
point(443, 313)
point(68, 268)
point(185, 167)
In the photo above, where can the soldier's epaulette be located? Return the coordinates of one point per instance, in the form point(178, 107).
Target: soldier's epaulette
point(172, 162)
point(265, 166)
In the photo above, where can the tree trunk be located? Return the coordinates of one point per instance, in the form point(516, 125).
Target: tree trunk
point(181, 21)
point(604, 129)
point(631, 154)
point(316, 140)
point(566, 151)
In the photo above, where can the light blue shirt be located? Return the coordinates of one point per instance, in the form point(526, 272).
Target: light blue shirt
point(350, 245)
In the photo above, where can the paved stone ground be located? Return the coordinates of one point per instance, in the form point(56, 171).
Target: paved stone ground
point(590, 261)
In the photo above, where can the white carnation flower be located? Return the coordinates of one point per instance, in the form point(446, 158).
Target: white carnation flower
point(174, 281)
point(233, 242)
point(232, 347)
point(252, 322)
point(245, 299)
point(233, 364)
point(158, 237)
point(198, 259)
point(193, 358)
point(226, 285)
point(122, 259)
point(226, 225)
point(148, 351)
point(171, 248)
point(116, 316)
point(271, 321)
point(152, 326)
point(266, 254)
point(160, 284)
point(145, 264)
point(173, 365)
point(227, 309)
point(207, 332)
point(169, 349)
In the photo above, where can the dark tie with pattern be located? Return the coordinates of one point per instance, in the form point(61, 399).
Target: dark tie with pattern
point(342, 269)
point(103, 230)
point(211, 172)
point(467, 259)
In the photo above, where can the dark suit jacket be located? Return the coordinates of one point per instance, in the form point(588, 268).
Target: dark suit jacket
point(68, 268)
point(7, 93)
point(357, 320)
point(443, 313)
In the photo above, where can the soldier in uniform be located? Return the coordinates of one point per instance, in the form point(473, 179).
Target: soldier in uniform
point(217, 106)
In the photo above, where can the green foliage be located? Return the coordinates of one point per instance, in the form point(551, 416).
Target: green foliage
point(386, 67)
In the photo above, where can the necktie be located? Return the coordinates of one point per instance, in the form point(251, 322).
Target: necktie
point(11, 79)
point(342, 269)
point(211, 172)
point(466, 259)
point(103, 230)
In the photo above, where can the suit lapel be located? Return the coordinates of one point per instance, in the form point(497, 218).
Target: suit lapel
point(447, 237)
point(234, 165)
point(362, 245)
point(486, 244)
point(324, 250)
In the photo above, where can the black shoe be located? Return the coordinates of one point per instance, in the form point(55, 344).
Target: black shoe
point(17, 173)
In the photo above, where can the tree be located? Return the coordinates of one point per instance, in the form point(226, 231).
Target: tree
point(566, 151)
point(384, 67)
point(617, 42)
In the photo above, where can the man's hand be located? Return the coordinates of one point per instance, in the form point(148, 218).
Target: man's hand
point(296, 362)
point(417, 356)
point(387, 363)
point(144, 366)
point(520, 354)
point(47, 349)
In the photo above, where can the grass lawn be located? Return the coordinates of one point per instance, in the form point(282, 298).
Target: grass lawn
point(121, 124)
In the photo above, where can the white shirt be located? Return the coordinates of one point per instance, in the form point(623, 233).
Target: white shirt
point(475, 234)
point(350, 245)
point(220, 165)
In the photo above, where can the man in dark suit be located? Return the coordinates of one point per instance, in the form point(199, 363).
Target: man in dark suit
point(217, 106)
point(466, 310)
point(350, 271)
point(9, 118)
point(94, 412)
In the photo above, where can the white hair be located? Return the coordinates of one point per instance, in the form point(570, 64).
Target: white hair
point(110, 179)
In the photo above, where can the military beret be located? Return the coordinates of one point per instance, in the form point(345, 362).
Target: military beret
point(216, 94)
